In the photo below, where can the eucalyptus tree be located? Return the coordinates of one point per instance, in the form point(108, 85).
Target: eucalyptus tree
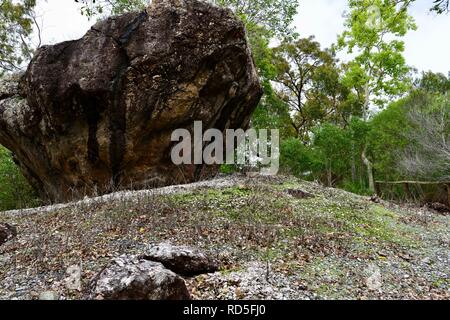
point(373, 33)
point(16, 26)
point(297, 66)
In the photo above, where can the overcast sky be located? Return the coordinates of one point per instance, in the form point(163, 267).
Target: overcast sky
point(428, 48)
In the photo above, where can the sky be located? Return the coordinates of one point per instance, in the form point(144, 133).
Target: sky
point(426, 49)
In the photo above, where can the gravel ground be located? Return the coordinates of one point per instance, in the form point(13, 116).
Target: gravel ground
point(271, 245)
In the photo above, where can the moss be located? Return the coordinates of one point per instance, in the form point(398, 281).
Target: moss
point(441, 283)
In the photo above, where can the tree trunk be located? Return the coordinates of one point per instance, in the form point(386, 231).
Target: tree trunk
point(407, 191)
point(366, 160)
point(353, 163)
point(448, 195)
point(369, 171)
point(329, 176)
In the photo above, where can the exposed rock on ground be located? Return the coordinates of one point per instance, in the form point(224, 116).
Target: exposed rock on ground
point(48, 296)
point(73, 280)
point(374, 279)
point(439, 207)
point(95, 115)
point(132, 278)
point(299, 194)
point(7, 232)
point(184, 260)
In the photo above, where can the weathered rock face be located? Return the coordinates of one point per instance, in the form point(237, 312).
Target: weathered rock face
point(186, 261)
point(97, 114)
point(131, 278)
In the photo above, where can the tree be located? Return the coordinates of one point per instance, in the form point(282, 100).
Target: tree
point(297, 66)
point(330, 99)
point(275, 16)
point(428, 154)
point(433, 83)
point(440, 6)
point(387, 139)
point(334, 145)
point(298, 159)
point(92, 8)
point(16, 25)
point(15, 192)
point(373, 32)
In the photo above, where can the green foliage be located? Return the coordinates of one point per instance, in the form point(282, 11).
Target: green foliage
point(356, 187)
point(333, 143)
point(272, 113)
point(411, 138)
point(101, 8)
point(386, 140)
point(373, 32)
point(275, 16)
point(435, 83)
point(228, 169)
point(427, 155)
point(15, 192)
point(309, 83)
point(16, 26)
point(298, 159)
point(265, 19)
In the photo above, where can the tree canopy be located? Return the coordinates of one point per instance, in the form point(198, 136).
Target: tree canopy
point(16, 26)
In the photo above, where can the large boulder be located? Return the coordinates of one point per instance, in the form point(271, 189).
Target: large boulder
point(132, 278)
point(184, 260)
point(96, 114)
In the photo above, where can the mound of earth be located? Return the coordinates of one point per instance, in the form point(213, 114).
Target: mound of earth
point(268, 242)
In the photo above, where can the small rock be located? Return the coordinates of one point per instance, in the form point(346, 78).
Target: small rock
point(374, 281)
point(439, 207)
point(186, 261)
point(73, 280)
point(375, 199)
point(299, 194)
point(405, 256)
point(4, 259)
point(383, 254)
point(48, 295)
point(7, 232)
point(252, 174)
point(133, 278)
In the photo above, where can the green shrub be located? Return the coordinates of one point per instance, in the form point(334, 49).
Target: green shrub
point(298, 159)
point(228, 169)
point(15, 192)
point(356, 187)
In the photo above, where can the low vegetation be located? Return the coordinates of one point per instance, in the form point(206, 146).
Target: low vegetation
point(321, 245)
point(15, 192)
